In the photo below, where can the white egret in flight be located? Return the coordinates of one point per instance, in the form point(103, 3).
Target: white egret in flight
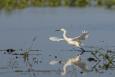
point(76, 41)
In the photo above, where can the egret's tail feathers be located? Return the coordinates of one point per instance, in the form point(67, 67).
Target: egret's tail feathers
point(84, 31)
point(55, 39)
point(53, 62)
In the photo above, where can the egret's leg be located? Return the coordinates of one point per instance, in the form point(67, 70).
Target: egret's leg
point(83, 50)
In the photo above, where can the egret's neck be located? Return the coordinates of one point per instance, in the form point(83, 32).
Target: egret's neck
point(64, 34)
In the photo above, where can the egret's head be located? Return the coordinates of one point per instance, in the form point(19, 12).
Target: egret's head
point(61, 29)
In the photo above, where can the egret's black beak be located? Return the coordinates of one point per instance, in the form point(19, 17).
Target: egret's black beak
point(58, 30)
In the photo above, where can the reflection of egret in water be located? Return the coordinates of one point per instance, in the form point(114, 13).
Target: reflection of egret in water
point(72, 61)
point(76, 41)
point(75, 61)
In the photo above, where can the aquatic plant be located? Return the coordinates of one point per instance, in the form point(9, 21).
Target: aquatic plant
point(99, 60)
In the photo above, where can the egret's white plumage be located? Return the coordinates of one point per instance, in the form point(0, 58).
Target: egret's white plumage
point(53, 62)
point(55, 39)
point(75, 61)
point(76, 41)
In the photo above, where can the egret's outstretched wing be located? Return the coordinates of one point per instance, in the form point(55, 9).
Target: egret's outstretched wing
point(53, 62)
point(55, 39)
point(82, 36)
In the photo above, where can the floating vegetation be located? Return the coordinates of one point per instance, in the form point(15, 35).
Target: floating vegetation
point(25, 56)
point(101, 60)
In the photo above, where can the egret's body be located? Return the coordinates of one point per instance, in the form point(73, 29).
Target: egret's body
point(70, 41)
point(76, 41)
point(75, 61)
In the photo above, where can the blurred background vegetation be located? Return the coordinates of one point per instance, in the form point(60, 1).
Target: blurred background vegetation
point(20, 4)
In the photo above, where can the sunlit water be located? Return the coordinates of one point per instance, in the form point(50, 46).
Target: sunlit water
point(18, 29)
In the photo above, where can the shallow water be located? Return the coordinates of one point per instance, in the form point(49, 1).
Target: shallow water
point(18, 29)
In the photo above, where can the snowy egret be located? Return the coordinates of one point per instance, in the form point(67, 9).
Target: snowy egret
point(76, 41)
point(75, 61)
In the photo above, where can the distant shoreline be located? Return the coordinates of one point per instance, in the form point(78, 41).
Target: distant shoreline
point(21, 4)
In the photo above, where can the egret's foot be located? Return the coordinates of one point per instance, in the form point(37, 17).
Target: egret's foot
point(82, 51)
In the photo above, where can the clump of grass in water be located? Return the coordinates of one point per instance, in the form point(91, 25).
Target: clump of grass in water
point(101, 60)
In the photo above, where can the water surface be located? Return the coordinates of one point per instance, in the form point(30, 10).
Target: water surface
point(18, 29)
